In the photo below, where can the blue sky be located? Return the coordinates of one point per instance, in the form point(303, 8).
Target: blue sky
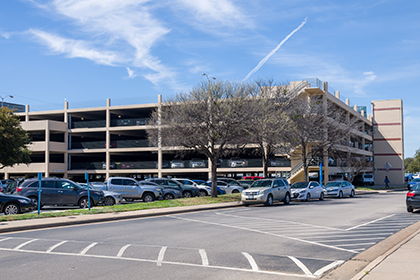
point(85, 51)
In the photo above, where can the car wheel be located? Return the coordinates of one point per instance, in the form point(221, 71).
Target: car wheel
point(269, 201)
point(235, 191)
point(187, 194)
point(410, 209)
point(352, 193)
point(109, 201)
point(148, 197)
point(34, 200)
point(308, 197)
point(202, 193)
point(11, 209)
point(286, 199)
point(245, 204)
point(84, 202)
point(168, 196)
point(340, 194)
point(321, 197)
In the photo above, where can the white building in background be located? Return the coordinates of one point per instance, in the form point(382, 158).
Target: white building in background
point(111, 141)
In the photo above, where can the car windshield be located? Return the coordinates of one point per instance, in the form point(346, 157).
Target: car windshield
point(262, 184)
point(416, 180)
point(90, 188)
point(333, 184)
point(300, 185)
point(415, 187)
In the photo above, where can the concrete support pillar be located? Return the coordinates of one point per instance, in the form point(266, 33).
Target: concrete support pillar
point(337, 94)
point(27, 113)
point(47, 149)
point(107, 138)
point(348, 102)
point(160, 154)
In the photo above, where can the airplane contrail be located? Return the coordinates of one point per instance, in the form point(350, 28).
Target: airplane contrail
point(264, 60)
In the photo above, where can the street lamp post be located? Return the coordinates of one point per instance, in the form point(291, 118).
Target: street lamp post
point(2, 99)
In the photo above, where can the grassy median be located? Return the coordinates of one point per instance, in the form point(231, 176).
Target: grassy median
point(126, 207)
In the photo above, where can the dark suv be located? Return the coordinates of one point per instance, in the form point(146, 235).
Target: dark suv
point(59, 191)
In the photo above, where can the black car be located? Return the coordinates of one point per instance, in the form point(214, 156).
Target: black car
point(15, 204)
point(59, 191)
point(413, 198)
point(167, 193)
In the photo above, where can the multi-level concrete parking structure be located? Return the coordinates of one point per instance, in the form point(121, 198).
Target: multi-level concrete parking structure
point(112, 141)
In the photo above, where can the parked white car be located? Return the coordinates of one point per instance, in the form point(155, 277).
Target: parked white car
point(339, 189)
point(307, 190)
point(229, 188)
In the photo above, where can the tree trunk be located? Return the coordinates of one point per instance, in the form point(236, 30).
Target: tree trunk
point(214, 178)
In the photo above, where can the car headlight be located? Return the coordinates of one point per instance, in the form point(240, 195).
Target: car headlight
point(177, 192)
point(118, 196)
point(261, 192)
point(23, 201)
point(158, 189)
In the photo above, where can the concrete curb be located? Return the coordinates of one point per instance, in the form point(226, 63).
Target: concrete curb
point(356, 267)
point(21, 225)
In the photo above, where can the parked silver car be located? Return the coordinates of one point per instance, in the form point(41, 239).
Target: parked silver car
point(130, 189)
point(307, 190)
point(339, 189)
point(111, 198)
point(267, 191)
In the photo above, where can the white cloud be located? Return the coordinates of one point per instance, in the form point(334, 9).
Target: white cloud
point(130, 73)
point(369, 77)
point(207, 14)
point(74, 48)
point(110, 32)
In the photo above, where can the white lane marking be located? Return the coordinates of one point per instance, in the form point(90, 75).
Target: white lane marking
point(166, 262)
point(324, 269)
point(345, 245)
point(55, 246)
point(355, 239)
point(371, 222)
point(122, 250)
point(23, 244)
point(263, 232)
point(345, 235)
point(161, 256)
point(300, 265)
point(204, 259)
point(251, 261)
point(4, 239)
point(279, 221)
point(84, 251)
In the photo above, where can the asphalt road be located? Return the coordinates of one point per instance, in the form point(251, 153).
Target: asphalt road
point(297, 241)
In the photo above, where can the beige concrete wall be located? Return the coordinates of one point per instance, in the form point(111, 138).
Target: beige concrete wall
point(388, 140)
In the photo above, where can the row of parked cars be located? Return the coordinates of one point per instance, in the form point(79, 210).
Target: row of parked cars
point(278, 189)
point(22, 195)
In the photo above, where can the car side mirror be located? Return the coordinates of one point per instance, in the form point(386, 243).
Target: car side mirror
point(311, 187)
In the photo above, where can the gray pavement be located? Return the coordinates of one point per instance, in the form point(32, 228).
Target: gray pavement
point(396, 257)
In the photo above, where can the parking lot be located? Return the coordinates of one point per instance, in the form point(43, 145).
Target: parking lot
point(300, 240)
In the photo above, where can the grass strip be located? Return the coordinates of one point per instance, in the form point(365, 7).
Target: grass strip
point(127, 207)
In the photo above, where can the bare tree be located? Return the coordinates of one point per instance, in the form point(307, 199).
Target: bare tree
point(267, 128)
point(209, 120)
point(352, 164)
point(315, 129)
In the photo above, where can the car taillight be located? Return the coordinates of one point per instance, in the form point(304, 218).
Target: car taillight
point(18, 189)
point(410, 194)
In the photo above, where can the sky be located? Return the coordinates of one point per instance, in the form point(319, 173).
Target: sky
point(85, 51)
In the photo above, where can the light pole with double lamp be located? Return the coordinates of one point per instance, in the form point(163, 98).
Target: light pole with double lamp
point(2, 99)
